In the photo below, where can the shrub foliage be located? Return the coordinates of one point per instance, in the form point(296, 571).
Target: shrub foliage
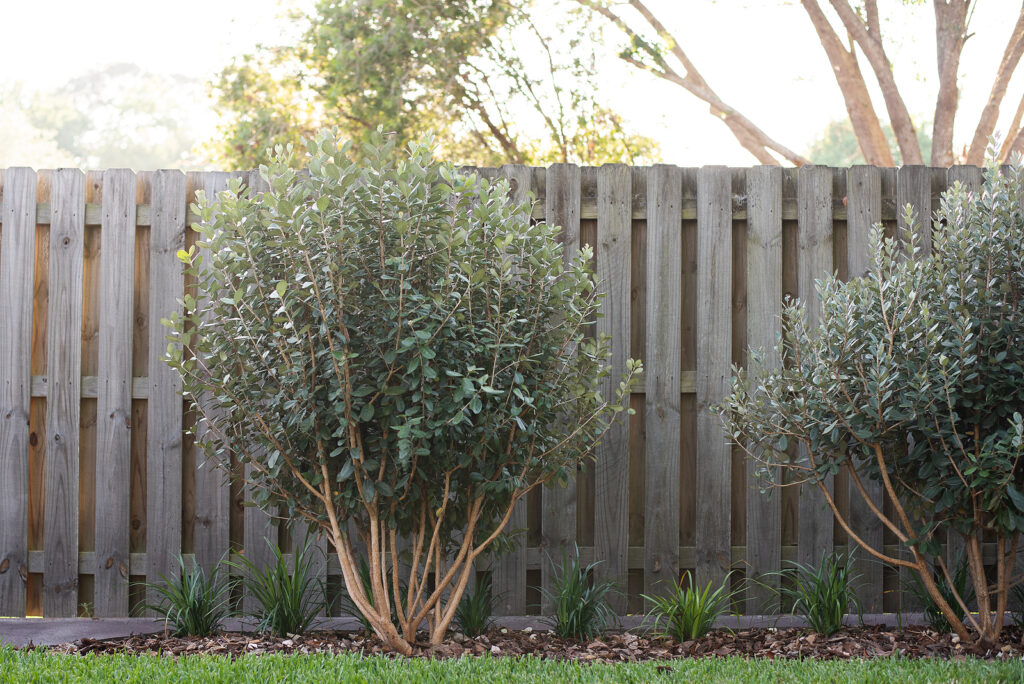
point(914, 378)
point(398, 351)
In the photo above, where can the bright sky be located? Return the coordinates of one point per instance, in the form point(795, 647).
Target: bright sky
point(762, 57)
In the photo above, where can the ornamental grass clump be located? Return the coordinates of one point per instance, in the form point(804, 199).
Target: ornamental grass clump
point(821, 594)
point(289, 595)
point(397, 352)
point(914, 378)
point(579, 603)
point(193, 602)
point(689, 612)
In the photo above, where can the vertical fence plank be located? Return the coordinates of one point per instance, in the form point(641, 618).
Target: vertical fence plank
point(814, 226)
point(558, 504)
point(18, 216)
point(764, 309)
point(662, 377)
point(212, 488)
point(509, 579)
point(714, 345)
point(63, 402)
point(114, 393)
point(611, 471)
point(164, 431)
point(914, 187)
point(863, 211)
point(37, 410)
point(259, 531)
point(971, 178)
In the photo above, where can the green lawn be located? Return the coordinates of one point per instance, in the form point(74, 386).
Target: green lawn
point(40, 666)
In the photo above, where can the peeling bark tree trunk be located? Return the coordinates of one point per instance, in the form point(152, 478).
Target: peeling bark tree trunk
point(867, 33)
point(950, 35)
point(990, 114)
point(866, 125)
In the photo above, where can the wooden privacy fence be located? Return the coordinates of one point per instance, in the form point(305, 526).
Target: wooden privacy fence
point(100, 488)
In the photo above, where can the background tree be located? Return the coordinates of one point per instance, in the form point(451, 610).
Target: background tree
point(119, 115)
point(837, 145)
point(32, 145)
point(849, 33)
point(491, 82)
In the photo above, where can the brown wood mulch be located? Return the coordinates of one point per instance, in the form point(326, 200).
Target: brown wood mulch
point(862, 642)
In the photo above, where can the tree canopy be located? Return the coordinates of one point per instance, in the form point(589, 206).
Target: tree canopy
point(515, 80)
point(489, 81)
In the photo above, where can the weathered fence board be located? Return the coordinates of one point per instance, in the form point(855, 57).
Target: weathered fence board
point(212, 521)
point(611, 471)
point(259, 528)
point(661, 377)
point(714, 345)
point(914, 187)
point(509, 581)
point(17, 256)
point(164, 434)
point(764, 308)
point(864, 210)
point(114, 393)
point(98, 489)
point(558, 516)
point(63, 365)
point(814, 218)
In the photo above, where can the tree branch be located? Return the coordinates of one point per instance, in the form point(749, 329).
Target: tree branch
point(871, 44)
point(990, 114)
point(752, 138)
point(863, 117)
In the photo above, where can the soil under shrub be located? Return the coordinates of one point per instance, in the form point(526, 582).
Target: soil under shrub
point(862, 642)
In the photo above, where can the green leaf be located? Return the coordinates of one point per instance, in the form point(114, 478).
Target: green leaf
point(345, 471)
point(1016, 497)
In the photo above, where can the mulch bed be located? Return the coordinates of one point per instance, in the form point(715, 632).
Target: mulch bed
point(862, 642)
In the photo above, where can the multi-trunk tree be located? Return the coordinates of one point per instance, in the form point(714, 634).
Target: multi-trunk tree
point(398, 353)
point(852, 36)
point(914, 378)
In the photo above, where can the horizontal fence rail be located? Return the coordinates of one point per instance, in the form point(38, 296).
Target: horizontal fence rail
point(100, 487)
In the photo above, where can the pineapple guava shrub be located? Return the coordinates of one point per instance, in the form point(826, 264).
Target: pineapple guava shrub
point(398, 353)
point(913, 378)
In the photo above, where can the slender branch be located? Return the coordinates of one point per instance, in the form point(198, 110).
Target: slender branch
point(870, 41)
point(989, 115)
point(752, 138)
